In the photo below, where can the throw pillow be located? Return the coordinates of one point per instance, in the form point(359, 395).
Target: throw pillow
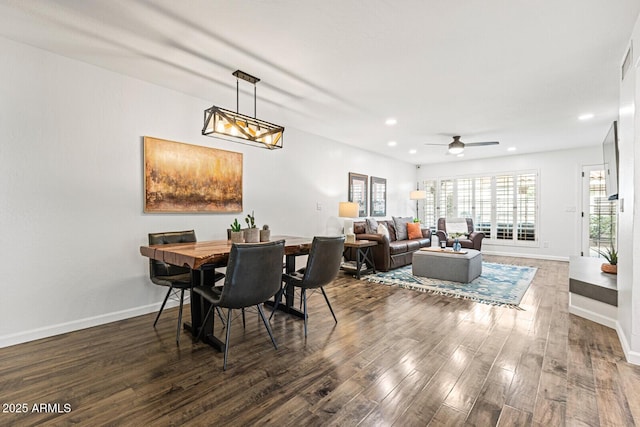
point(382, 229)
point(414, 231)
point(371, 226)
point(457, 225)
point(401, 226)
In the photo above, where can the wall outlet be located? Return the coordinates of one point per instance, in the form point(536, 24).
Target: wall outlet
point(319, 206)
point(545, 244)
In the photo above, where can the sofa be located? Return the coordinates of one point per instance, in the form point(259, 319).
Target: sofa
point(470, 240)
point(390, 252)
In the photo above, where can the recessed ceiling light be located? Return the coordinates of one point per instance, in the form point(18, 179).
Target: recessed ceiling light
point(586, 116)
point(413, 151)
point(392, 143)
point(511, 149)
point(390, 121)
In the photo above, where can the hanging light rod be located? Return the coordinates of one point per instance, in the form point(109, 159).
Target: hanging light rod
point(236, 127)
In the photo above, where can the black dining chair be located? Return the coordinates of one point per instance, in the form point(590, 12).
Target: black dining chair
point(322, 267)
point(254, 274)
point(176, 278)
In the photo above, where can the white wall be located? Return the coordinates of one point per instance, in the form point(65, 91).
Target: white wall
point(71, 219)
point(629, 195)
point(559, 198)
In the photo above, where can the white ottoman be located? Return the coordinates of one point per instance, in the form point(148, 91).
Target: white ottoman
point(446, 265)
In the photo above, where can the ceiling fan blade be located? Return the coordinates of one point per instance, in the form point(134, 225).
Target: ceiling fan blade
point(471, 144)
point(440, 145)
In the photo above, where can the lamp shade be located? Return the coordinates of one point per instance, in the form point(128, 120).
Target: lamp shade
point(348, 210)
point(418, 195)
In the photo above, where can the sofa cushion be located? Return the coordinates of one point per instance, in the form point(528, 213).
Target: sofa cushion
point(424, 242)
point(371, 226)
point(413, 230)
point(401, 226)
point(398, 247)
point(413, 245)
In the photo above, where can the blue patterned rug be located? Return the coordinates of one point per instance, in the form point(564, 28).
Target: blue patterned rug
point(499, 284)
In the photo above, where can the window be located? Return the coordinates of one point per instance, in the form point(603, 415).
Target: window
point(429, 216)
point(503, 206)
point(482, 203)
point(602, 215)
point(445, 207)
point(464, 198)
point(526, 207)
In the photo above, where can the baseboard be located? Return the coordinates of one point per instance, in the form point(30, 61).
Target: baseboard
point(596, 311)
point(631, 356)
point(534, 256)
point(89, 322)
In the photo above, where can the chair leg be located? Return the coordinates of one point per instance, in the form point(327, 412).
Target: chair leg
point(329, 304)
point(278, 297)
point(162, 306)
point(266, 325)
point(179, 317)
point(303, 296)
point(244, 323)
point(220, 316)
point(226, 342)
point(206, 319)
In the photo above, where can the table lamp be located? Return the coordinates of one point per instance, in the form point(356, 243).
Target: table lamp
point(348, 210)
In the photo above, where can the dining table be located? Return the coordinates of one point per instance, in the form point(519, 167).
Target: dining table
point(204, 256)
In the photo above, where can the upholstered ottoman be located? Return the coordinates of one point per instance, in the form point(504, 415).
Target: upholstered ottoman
point(447, 265)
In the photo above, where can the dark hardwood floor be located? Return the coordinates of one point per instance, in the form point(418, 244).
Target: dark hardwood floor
point(396, 357)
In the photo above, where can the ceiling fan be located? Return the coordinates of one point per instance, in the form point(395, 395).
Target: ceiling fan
point(457, 146)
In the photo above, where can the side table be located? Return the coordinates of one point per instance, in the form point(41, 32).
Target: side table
point(363, 256)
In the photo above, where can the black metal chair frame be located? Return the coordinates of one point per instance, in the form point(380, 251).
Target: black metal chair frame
point(267, 256)
point(177, 282)
point(322, 268)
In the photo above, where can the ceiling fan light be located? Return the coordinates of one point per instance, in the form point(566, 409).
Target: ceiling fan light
point(456, 147)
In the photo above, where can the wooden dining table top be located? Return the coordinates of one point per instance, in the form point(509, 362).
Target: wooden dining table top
point(197, 254)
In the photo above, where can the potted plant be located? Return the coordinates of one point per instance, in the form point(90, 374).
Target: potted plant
point(251, 233)
point(237, 235)
point(265, 233)
point(611, 255)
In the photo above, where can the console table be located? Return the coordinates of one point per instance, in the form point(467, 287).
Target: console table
point(592, 293)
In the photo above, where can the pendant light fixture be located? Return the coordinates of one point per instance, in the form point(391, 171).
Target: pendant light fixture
point(236, 127)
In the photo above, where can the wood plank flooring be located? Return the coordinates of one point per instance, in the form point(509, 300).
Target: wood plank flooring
point(396, 358)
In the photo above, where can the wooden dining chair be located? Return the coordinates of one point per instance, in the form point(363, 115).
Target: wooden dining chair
point(176, 278)
point(322, 267)
point(254, 275)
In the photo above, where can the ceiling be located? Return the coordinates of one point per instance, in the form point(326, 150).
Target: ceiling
point(516, 71)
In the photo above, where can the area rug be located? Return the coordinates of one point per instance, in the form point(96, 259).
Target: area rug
point(499, 284)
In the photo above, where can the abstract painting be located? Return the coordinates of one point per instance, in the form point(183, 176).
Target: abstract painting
point(189, 178)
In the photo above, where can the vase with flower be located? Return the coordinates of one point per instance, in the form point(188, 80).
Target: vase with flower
point(456, 242)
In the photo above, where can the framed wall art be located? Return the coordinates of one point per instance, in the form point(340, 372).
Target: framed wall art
point(378, 196)
point(358, 192)
point(189, 178)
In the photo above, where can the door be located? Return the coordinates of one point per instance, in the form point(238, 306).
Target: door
point(599, 219)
